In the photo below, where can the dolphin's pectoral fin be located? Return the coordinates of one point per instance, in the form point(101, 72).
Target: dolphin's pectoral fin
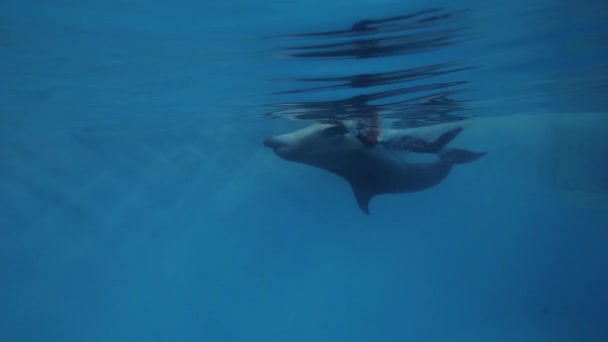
point(363, 196)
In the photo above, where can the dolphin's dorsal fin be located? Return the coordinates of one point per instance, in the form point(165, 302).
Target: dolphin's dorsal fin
point(363, 196)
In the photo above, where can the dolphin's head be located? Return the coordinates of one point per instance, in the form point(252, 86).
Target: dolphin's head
point(308, 144)
point(329, 147)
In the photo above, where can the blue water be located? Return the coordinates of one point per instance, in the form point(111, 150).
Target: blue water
point(137, 202)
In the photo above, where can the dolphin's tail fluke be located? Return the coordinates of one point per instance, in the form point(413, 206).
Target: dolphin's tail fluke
point(444, 139)
point(459, 156)
point(418, 145)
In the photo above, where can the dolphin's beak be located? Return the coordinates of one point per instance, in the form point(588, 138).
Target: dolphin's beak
point(270, 142)
point(275, 143)
point(279, 146)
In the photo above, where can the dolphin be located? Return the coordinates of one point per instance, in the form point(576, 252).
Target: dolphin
point(371, 171)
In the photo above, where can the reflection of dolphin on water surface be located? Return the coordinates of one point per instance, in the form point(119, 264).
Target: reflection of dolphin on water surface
point(371, 171)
